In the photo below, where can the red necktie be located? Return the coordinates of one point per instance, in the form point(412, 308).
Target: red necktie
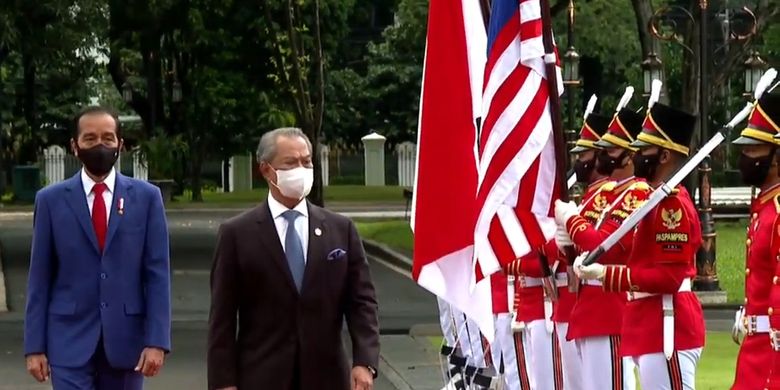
point(99, 220)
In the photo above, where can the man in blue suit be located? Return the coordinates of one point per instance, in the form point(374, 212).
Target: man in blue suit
point(98, 296)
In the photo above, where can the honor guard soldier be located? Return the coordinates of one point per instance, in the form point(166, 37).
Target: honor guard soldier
point(596, 319)
point(758, 168)
point(538, 355)
point(663, 324)
point(585, 170)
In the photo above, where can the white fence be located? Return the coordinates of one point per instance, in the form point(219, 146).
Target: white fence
point(58, 163)
point(407, 161)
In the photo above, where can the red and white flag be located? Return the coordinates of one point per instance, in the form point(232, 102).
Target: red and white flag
point(517, 171)
point(444, 205)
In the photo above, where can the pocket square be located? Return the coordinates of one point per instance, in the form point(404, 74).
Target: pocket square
point(336, 254)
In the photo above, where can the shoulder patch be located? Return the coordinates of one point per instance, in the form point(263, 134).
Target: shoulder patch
point(632, 201)
point(671, 218)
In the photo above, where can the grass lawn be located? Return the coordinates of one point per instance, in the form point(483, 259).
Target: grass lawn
point(730, 249)
point(394, 233)
point(730, 258)
point(716, 368)
point(333, 194)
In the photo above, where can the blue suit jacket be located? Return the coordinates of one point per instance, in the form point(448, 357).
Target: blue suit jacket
point(75, 294)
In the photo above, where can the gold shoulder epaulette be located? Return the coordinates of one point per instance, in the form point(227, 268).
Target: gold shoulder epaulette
point(777, 203)
point(608, 186)
point(641, 186)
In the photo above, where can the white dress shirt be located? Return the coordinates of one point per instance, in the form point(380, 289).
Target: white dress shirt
point(108, 196)
point(301, 223)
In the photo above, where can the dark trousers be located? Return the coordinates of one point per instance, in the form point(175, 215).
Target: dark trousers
point(97, 374)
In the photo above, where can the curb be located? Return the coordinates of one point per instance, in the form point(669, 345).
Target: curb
point(395, 378)
point(3, 302)
point(387, 254)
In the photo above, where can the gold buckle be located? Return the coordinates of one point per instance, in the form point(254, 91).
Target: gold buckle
point(774, 338)
point(521, 280)
point(751, 324)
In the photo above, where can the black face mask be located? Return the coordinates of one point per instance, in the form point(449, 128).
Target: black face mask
point(607, 164)
point(99, 159)
point(645, 165)
point(584, 169)
point(754, 169)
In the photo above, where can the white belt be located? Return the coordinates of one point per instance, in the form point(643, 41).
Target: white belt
point(634, 295)
point(561, 279)
point(527, 281)
point(756, 324)
point(667, 303)
point(592, 282)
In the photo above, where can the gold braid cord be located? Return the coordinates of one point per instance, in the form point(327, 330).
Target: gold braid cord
point(513, 268)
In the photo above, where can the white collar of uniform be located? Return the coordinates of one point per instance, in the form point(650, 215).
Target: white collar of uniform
point(277, 208)
point(88, 183)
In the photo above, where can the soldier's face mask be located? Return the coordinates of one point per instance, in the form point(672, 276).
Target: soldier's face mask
point(607, 164)
point(584, 169)
point(754, 169)
point(645, 165)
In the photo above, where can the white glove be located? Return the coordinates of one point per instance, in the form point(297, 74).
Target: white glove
point(594, 271)
point(580, 258)
point(578, 263)
point(562, 238)
point(564, 211)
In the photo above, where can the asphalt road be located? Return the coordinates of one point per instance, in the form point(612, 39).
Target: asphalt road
point(402, 303)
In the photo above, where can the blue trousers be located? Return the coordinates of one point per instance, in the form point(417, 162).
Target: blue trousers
point(97, 374)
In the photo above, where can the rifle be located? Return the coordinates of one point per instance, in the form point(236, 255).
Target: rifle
point(666, 188)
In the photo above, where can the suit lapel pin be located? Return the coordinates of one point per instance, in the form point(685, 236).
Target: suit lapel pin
point(121, 209)
point(317, 232)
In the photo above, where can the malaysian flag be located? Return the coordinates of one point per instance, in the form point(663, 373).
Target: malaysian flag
point(517, 174)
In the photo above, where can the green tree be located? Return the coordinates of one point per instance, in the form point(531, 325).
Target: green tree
point(45, 62)
point(299, 43)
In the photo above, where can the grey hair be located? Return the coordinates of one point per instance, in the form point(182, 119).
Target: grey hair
point(266, 148)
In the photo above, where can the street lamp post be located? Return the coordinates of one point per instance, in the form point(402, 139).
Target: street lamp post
point(571, 76)
point(652, 69)
point(127, 92)
point(706, 274)
point(754, 68)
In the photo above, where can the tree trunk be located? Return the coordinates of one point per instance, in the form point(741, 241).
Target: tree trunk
point(316, 196)
point(644, 11)
point(30, 114)
point(196, 168)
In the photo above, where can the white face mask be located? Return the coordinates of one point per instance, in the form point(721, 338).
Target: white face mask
point(294, 183)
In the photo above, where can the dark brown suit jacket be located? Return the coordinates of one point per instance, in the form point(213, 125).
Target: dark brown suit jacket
point(263, 334)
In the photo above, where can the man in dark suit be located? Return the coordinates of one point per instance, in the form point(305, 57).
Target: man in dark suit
point(285, 275)
point(98, 296)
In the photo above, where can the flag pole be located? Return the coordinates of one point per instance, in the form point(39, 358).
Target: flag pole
point(485, 6)
point(555, 114)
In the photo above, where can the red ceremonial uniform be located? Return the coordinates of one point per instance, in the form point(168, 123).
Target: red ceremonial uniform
point(662, 260)
point(529, 293)
point(597, 312)
point(773, 383)
point(760, 263)
point(593, 202)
